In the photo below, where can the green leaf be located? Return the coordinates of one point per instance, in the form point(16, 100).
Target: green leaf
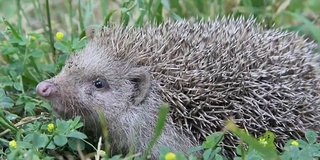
point(23, 41)
point(239, 149)
point(60, 140)
point(218, 157)
point(39, 140)
point(76, 134)
point(62, 126)
point(207, 153)
point(2, 93)
point(33, 157)
point(72, 142)
point(116, 157)
point(311, 136)
point(62, 47)
point(37, 53)
point(214, 152)
point(302, 143)
point(213, 140)
point(46, 105)
point(253, 155)
point(28, 137)
point(29, 106)
point(309, 152)
point(292, 152)
point(24, 144)
point(76, 120)
point(76, 123)
point(11, 116)
point(180, 156)
point(195, 149)
point(163, 151)
point(6, 102)
point(264, 151)
point(79, 125)
point(62, 58)
point(77, 45)
point(269, 138)
point(51, 145)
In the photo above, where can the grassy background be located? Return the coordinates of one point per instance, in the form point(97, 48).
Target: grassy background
point(25, 61)
point(71, 16)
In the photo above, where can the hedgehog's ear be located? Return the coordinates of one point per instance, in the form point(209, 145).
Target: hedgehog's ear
point(141, 79)
point(89, 33)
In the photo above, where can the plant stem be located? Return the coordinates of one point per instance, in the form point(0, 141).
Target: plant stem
point(70, 19)
point(45, 147)
point(19, 15)
point(80, 17)
point(50, 30)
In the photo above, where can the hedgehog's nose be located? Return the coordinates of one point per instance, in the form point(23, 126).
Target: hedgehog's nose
point(44, 89)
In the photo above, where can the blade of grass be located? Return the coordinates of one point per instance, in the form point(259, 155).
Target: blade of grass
point(13, 30)
point(143, 11)
point(313, 29)
point(50, 30)
point(18, 12)
point(5, 122)
point(38, 14)
point(89, 15)
point(159, 127)
point(105, 135)
point(104, 5)
point(80, 16)
point(107, 18)
point(166, 5)
point(70, 18)
point(158, 12)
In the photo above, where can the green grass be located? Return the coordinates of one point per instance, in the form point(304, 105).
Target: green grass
point(30, 53)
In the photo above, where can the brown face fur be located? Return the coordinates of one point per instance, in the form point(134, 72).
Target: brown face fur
point(98, 79)
point(82, 87)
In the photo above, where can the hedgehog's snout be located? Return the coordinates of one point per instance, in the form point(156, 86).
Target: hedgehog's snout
point(45, 89)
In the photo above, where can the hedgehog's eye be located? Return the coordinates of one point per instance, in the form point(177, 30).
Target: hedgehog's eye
point(99, 83)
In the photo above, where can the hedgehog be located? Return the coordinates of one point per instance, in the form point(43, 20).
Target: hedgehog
point(266, 79)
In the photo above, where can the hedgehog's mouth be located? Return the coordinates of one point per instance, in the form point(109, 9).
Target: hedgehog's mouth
point(69, 111)
point(59, 108)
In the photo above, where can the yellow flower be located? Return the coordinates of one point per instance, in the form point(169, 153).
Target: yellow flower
point(295, 143)
point(263, 141)
point(33, 37)
point(59, 36)
point(50, 127)
point(13, 144)
point(170, 156)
